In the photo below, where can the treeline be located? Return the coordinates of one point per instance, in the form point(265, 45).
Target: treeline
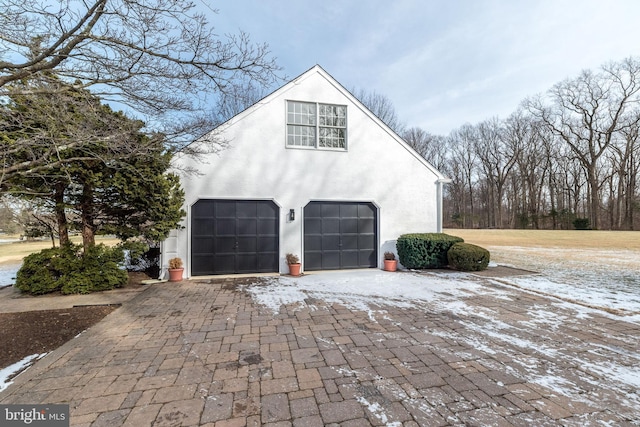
point(566, 159)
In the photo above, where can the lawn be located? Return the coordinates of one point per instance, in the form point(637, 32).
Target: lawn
point(598, 268)
point(13, 253)
point(575, 239)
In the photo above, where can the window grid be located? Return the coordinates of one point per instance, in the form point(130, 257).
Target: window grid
point(313, 125)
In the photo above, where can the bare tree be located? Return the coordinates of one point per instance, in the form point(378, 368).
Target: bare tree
point(381, 106)
point(433, 148)
point(531, 150)
point(586, 113)
point(463, 171)
point(497, 158)
point(159, 58)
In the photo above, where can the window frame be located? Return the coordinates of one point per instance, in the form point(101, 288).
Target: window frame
point(299, 122)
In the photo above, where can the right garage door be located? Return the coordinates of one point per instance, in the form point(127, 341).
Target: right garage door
point(340, 235)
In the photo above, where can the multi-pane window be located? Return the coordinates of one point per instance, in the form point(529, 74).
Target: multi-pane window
point(316, 125)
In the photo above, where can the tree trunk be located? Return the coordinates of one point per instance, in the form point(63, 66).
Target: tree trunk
point(61, 216)
point(88, 226)
point(594, 199)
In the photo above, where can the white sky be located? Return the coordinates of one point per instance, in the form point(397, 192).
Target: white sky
point(441, 62)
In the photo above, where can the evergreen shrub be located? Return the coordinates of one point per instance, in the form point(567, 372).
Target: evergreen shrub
point(425, 250)
point(467, 257)
point(70, 271)
point(581, 224)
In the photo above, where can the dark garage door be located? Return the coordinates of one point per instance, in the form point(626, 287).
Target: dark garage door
point(340, 235)
point(234, 236)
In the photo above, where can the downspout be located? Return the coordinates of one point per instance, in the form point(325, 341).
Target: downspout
point(439, 190)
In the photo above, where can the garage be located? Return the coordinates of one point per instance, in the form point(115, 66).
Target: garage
point(234, 236)
point(340, 235)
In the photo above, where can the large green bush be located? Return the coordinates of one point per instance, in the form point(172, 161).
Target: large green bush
point(425, 250)
point(468, 257)
point(70, 271)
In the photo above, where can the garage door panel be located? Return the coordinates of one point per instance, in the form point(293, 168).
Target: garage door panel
point(203, 225)
point(313, 210)
point(247, 245)
point(234, 236)
point(349, 211)
point(224, 264)
point(313, 260)
point(247, 227)
point(366, 224)
point(330, 225)
point(225, 209)
point(200, 245)
point(312, 225)
point(225, 244)
point(330, 242)
point(330, 260)
point(346, 238)
point(247, 262)
point(312, 243)
point(204, 210)
point(225, 227)
point(349, 242)
point(330, 210)
point(246, 210)
point(349, 225)
point(267, 227)
point(366, 211)
point(350, 259)
point(367, 241)
point(201, 263)
point(267, 244)
point(367, 257)
point(267, 210)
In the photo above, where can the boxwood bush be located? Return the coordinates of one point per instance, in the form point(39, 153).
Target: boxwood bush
point(70, 271)
point(425, 250)
point(468, 257)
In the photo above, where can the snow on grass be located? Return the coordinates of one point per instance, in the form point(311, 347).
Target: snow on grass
point(12, 370)
point(595, 277)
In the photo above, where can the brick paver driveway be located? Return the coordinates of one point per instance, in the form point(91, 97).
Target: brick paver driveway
point(205, 353)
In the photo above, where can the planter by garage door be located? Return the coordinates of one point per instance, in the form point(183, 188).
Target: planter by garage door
point(234, 236)
point(340, 235)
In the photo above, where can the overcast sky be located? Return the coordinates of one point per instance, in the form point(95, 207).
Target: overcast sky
point(442, 63)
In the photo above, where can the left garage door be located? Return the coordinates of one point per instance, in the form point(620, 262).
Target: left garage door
point(234, 236)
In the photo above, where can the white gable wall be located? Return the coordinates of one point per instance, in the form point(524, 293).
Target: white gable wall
point(377, 167)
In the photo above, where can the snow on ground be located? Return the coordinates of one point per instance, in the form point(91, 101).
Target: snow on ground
point(539, 345)
point(8, 273)
point(363, 290)
point(595, 277)
point(11, 370)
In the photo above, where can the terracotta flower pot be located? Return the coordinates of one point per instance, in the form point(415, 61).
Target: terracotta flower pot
point(294, 269)
point(175, 274)
point(390, 264)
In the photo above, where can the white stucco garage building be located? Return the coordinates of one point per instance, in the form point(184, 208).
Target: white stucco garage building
point(307, 170)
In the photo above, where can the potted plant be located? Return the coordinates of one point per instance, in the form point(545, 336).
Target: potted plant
point(390, 261)
point(294, 264)
point(175, 269)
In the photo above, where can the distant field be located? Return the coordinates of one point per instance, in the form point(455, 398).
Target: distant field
point(577, 239)
point(15, 252)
